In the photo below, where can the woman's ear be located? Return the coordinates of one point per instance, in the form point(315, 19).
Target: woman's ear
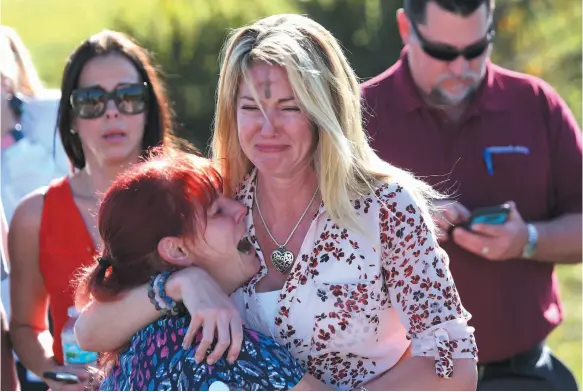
point(174, 251)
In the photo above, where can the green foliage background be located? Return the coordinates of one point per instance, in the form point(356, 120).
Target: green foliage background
point(540, 37)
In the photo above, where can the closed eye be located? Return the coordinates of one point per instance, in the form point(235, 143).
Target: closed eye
point(291, 109)
point(246, 107)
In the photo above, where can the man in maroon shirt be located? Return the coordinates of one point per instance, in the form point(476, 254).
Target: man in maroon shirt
point(485, 136)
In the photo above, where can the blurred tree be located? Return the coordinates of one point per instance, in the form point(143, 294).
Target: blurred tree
point(543, 38)
point(534, 36)
point(187, 41)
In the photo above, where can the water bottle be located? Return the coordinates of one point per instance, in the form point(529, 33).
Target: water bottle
point(72, 353)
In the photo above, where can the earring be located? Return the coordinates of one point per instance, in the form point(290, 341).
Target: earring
point(72, 132)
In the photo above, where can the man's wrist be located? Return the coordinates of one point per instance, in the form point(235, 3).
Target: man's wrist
point(529, 248)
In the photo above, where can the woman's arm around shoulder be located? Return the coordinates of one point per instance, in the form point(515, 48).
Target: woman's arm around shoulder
point(106, 326)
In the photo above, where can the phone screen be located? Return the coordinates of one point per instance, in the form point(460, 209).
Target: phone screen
point(67, 378)
point(496, 215)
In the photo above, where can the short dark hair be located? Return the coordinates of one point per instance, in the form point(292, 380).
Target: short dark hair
point(159, 122)
point(416, 9)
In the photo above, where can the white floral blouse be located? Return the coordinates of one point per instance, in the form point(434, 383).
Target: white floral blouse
point(353, 304)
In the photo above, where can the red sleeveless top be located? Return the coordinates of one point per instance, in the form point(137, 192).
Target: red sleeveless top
point(65, 245)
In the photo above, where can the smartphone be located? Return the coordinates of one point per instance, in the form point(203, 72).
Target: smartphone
point(495, 215)
point(67, 378)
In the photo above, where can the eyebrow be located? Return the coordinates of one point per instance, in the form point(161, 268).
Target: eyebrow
point(120, 84)
point(281, 100)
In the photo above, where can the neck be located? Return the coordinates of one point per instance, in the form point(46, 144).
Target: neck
point(287, 194)
point(100, 177)
point(454, 113)
point(231, 279)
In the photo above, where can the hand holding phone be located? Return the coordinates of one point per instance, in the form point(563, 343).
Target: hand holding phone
point(494, 215)
point(64, 377)
point(67, 378)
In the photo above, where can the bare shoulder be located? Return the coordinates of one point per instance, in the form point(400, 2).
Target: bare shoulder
point(27, 216)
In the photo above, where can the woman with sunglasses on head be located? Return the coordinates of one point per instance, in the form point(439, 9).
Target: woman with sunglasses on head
point(160, 216)
point(113, 109)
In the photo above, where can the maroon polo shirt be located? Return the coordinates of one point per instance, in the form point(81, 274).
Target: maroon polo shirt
point(515, 304)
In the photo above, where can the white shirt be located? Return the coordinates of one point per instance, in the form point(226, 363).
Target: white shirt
point(353, 304)
point(36, 159)
point(265, 305)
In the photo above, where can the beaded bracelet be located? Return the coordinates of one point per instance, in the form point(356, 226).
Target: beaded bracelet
point(152, 294)
point(172, 306)
point(157, 294)
point(158, 297)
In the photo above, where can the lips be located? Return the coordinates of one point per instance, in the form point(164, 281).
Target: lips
point(114, 134)
point(271, 147)
point(244, 246)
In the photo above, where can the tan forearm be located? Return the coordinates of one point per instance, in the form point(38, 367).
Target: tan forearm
point(34, 348)
point(106, 326)
point(559, 240)
point(418, 373)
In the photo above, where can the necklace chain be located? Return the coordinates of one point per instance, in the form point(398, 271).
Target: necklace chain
point(295, 227)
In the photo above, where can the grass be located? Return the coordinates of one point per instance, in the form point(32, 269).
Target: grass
point(52, 28)
point(566, 340)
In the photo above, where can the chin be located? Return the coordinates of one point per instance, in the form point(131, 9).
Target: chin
point(119, 157)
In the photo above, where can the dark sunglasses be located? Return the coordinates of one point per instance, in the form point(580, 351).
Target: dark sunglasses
point(91, 102)
point(448, 53)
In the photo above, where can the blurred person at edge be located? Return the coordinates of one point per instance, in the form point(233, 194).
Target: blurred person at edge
point(30, 154)
point(499, 137)
point(8, 375)
point(113, 109)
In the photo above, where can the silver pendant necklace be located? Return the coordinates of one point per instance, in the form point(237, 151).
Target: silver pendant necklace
point(282, 258)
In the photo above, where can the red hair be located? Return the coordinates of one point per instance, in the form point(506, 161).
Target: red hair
point(166, 195)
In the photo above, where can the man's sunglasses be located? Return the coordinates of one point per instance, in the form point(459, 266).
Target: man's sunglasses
point(448, 53)
point(91, 102)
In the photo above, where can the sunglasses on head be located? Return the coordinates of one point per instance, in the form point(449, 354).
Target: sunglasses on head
point(445, 52)
point(91, 102)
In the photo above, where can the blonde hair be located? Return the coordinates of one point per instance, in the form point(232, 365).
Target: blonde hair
point(327, 90)
point(16, 64)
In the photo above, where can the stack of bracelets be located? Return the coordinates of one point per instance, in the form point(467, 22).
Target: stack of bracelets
point(158, 297)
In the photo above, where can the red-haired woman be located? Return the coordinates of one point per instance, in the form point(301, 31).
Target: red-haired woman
point(166, 214)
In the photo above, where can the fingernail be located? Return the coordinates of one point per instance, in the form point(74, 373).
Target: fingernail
point(231, 359)
point(197, 359)
point(210, 361)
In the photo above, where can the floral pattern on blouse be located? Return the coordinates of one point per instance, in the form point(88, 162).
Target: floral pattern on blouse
point(354, 302)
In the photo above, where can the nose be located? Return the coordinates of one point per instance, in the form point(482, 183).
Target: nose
point(111, 110)
point(459, 66)
point(267, 127)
